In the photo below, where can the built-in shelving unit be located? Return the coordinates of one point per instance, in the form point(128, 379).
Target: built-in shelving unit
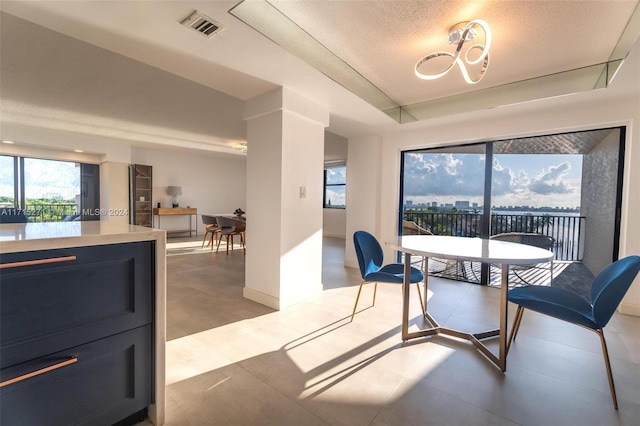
point(140, 185)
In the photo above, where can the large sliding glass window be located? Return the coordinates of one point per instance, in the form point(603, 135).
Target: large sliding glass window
point(539, 194)
point(443, 189)
point(565, 186)
point(7, 182)
point(49, 190)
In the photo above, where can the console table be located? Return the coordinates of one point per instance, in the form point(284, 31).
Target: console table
point(178, 211)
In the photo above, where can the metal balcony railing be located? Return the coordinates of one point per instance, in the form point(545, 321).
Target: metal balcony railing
point(49, 212)
point(565, 229)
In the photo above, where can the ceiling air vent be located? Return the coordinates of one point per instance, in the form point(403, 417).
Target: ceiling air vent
point(202, 24)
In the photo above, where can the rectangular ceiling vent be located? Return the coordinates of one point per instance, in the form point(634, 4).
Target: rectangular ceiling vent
point(202, 24)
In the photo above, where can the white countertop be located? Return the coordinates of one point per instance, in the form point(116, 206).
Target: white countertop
point(19, 237)
point(474, 249)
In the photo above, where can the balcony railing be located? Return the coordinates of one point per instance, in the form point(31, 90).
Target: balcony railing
point(565, 229)
point(49, 212)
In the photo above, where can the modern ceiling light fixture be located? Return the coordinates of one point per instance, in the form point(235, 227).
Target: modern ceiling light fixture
point(460, 34)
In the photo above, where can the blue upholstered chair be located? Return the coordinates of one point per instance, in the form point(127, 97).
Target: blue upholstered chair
point(370, 260)
point(606, 293)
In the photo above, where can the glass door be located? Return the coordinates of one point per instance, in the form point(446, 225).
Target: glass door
point(565, 186)
point(51, 190)
point(8, 174)
point(443, 193)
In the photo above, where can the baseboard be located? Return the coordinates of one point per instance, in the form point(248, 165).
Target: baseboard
point(350, 264)
point(630, 309)
point(341, 236)
point(281, 303)
point(262, 298)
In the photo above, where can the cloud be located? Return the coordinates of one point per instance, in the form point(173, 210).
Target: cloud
point(506, 181)
point(443, 174)
point(551, 181)
point(463, 175)
point(337, 175)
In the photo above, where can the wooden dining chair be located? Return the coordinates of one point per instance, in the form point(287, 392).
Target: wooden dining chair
point(211, 227)
point(228, 228)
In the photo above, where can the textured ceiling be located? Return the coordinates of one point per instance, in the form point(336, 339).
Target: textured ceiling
point(383, 40)
point(376, 43)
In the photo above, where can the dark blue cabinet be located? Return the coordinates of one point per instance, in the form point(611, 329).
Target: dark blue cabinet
point(76, 334)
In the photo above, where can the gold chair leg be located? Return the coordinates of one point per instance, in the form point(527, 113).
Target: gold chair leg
point(375, 290)
point(357, 298)
point(607, 364)
point(424, 311)
point(515, 327)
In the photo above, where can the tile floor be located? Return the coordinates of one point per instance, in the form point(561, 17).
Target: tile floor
point(231, 361)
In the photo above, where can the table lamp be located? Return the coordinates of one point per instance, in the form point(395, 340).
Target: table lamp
point(174, 191)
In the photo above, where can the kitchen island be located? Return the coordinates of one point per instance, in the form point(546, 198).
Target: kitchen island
point(82, 323)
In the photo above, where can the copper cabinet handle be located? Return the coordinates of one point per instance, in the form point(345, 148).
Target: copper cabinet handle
point(40, 371)
point(37, 262)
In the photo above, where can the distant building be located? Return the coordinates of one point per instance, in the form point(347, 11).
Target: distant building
point(462, 204)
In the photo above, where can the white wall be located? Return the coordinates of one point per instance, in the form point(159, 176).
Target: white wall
point(363, 191)
point(114, 191)
point(284, 176)
point(64, 93)
point(334, 223)
point(212, 184)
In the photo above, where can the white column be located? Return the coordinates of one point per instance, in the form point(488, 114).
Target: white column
point(114, 191)
point(285, 140)
point(364, 164)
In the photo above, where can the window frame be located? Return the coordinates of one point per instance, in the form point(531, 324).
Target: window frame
point(332, 185)
point(87, 170)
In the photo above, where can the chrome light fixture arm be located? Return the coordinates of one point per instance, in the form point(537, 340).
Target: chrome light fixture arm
point(467, 34)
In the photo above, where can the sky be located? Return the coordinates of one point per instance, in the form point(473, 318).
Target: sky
point(337, 195)
point(43, 178)
point(518, 180)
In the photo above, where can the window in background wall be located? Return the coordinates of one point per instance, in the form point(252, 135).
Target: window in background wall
point(335, 184)
point(7, 181)
point(50, 190)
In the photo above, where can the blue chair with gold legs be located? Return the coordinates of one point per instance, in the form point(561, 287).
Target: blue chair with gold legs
point(607, 290)
point(370, 260)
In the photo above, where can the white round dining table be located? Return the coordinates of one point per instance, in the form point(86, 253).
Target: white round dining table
point(466, 249)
